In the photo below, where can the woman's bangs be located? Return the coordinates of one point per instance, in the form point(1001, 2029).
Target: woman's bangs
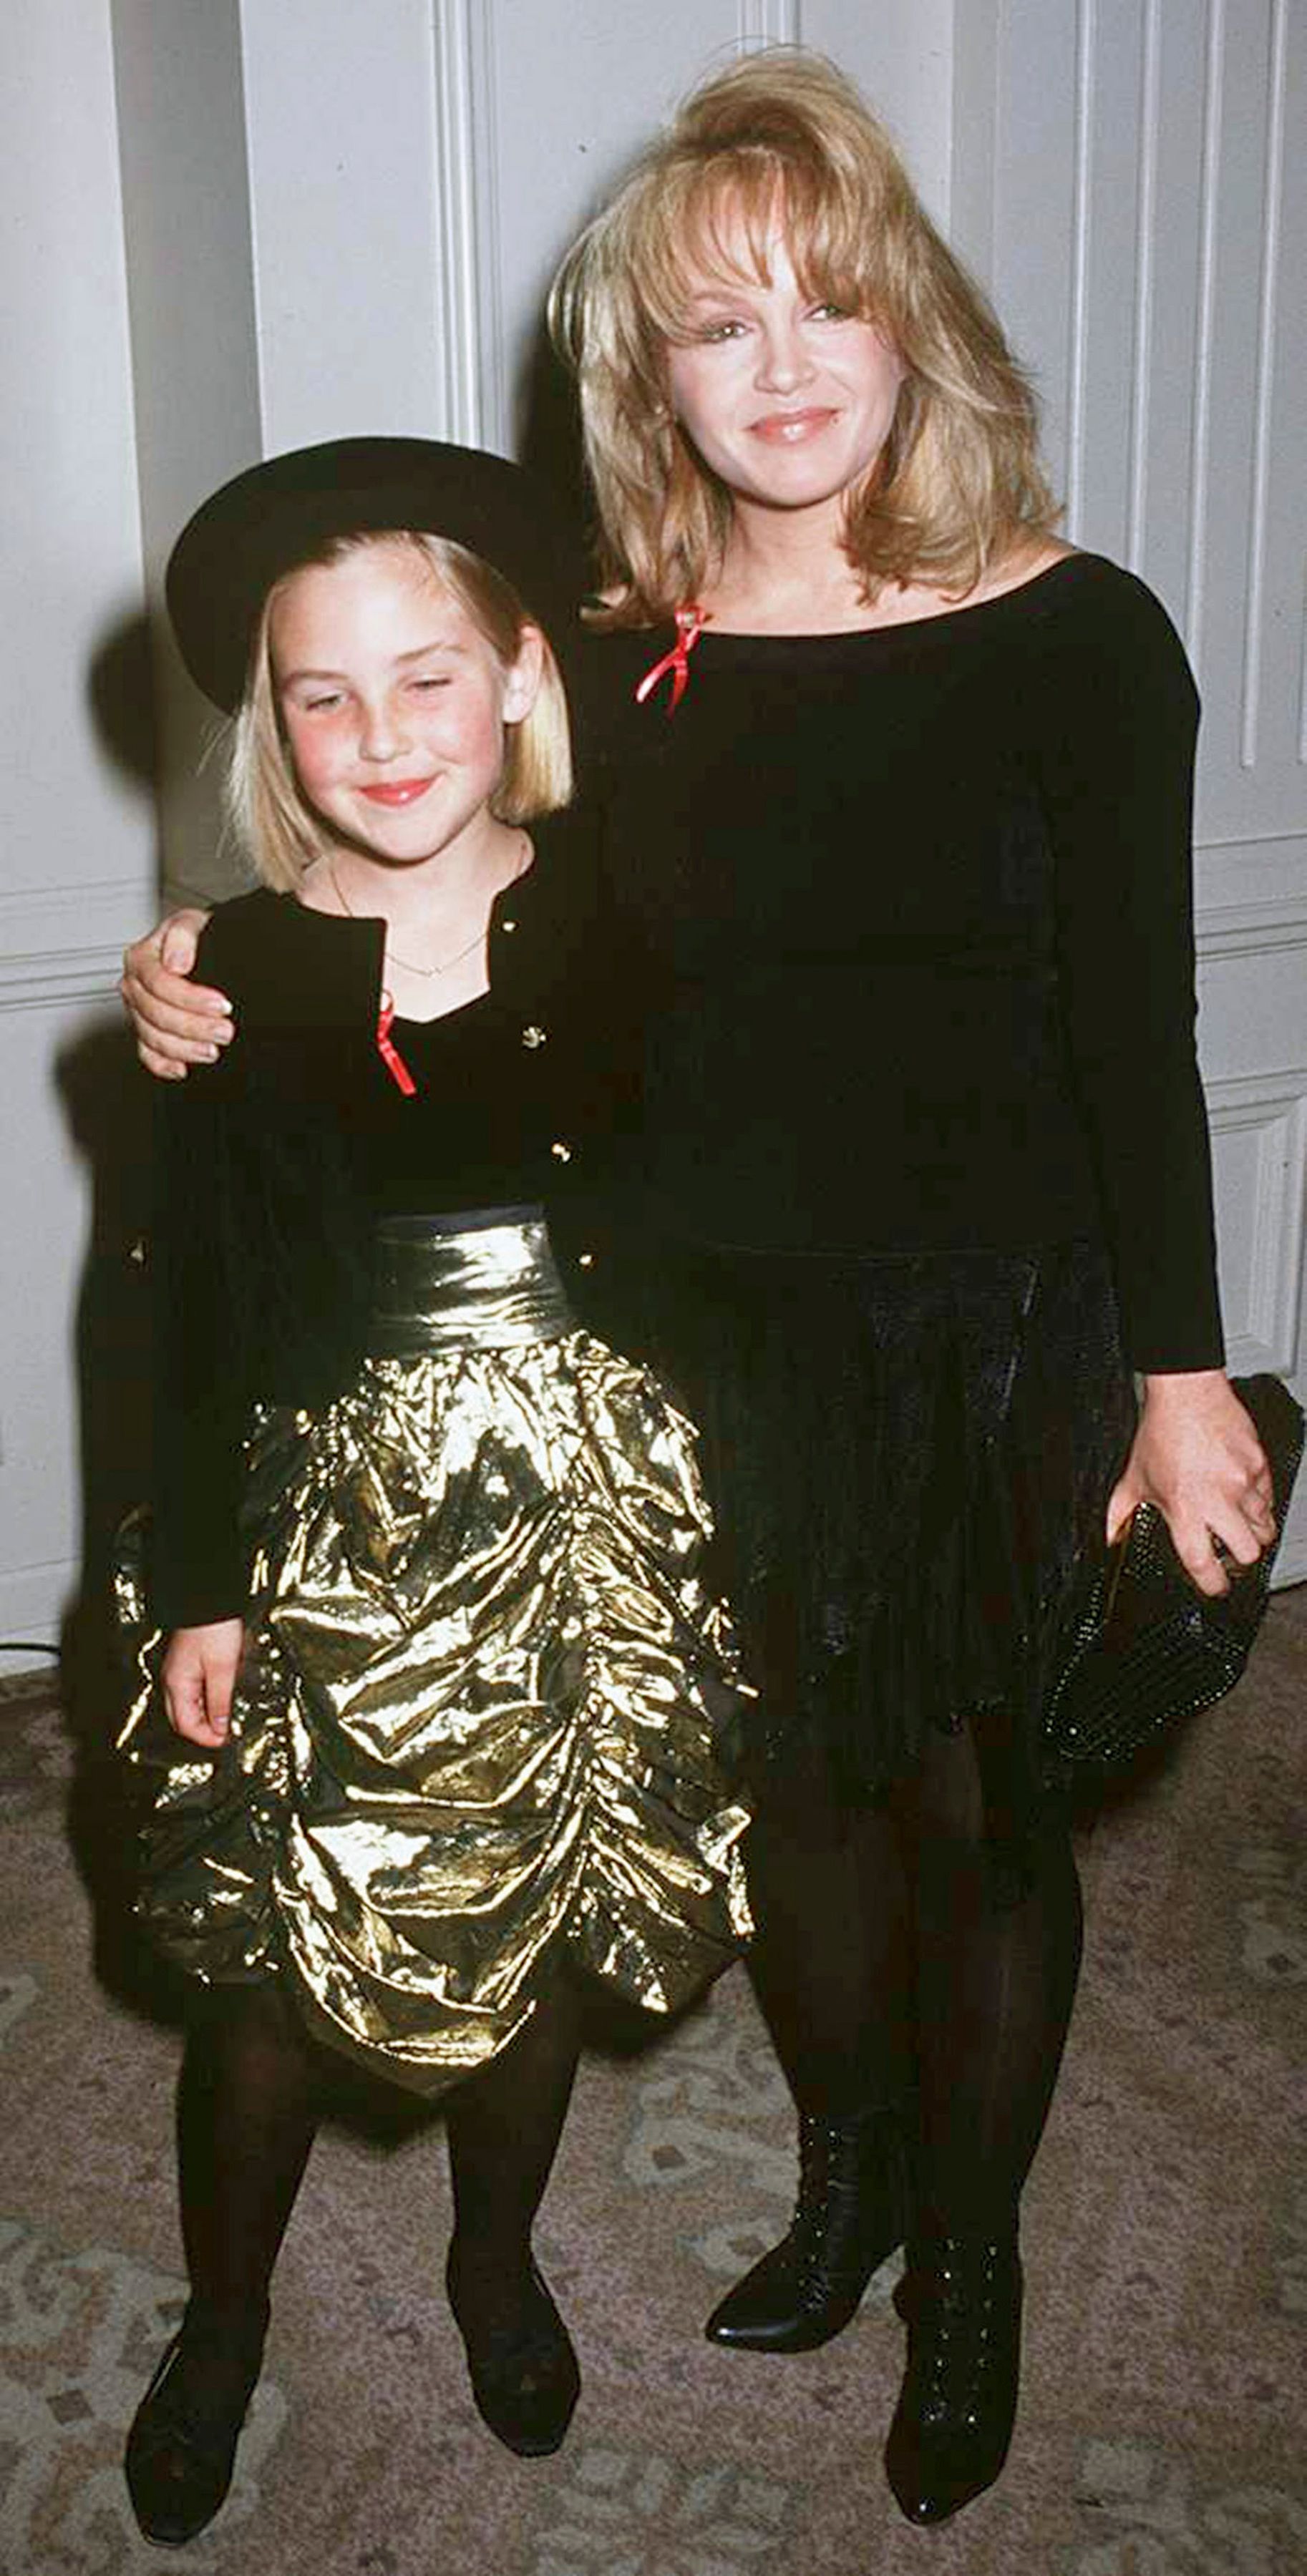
point(712, 226)
point(721, 226)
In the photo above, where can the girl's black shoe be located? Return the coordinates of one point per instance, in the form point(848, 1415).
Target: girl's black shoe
point(852, 2211)
point(524, 2372)
point(953, 2423)
point(181, 2449)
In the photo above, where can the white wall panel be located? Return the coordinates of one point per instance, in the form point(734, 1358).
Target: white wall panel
point(48, 1225)
point(75, 824)
point(341, 111)
point(901, 52)
point(1020, 215)
point(572, 97)
point(1136, 191)
point(69, 523)
point(1259, 1148)
point(180, 104)
point(1135, 186)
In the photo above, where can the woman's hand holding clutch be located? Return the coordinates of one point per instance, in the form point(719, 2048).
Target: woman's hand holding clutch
point(1196, 1455)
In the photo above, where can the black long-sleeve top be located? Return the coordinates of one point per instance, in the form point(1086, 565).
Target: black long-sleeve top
point(916, 911)
point(275, 1166)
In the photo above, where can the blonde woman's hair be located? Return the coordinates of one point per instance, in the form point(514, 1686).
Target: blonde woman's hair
point(273, 821)
point(784, 136)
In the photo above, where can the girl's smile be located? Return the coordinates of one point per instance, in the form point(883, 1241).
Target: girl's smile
point(400, 791)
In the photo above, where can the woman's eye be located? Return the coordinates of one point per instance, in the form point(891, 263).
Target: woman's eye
point(715, 331)
point(430, 680)
point(322, 704)
point(832, 313)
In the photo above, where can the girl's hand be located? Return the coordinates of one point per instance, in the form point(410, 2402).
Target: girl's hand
point(176, 1022)
point(1196, 1455)
point(198, 1675)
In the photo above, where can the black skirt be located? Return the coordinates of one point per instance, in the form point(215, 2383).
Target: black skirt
point(909, 1461)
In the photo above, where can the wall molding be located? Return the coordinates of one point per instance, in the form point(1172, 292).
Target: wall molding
point(1250, 892)
point(768, 22)
point(1272, 1107)
point(1244, 929)
point(1142, 354)
point(1083, 105)
point(1203, 353)
point(469, 319)
point(68, 975)
point(1259, 531)
point(67, 947)
point(34, 1602)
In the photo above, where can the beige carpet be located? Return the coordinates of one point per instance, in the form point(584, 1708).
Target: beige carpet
point(1161, 2429)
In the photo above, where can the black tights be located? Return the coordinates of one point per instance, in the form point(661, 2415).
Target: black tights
point(251, 2092)
point(247, 2110)
point(887, 1959)
point(504, 2125)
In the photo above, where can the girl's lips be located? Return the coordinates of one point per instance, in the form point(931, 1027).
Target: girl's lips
point(791, 428)
point(396, 791)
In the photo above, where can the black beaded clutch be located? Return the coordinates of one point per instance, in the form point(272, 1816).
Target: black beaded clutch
point(1149, 1649)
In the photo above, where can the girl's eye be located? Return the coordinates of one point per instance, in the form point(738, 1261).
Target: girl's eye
point(430, 680)
point(832, 313)
point(321, 704)
point(725, 329)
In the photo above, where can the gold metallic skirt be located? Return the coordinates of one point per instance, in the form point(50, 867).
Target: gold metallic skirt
point(484, 1684)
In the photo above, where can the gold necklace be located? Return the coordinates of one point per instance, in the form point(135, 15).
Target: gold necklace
point(426, 972)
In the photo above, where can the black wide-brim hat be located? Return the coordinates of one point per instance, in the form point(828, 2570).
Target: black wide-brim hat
point(283, 512)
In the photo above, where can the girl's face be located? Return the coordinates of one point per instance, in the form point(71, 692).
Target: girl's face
point(393, 703)
point(788, 401)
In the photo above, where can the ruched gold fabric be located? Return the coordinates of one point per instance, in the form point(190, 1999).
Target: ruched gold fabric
point(483, 1690)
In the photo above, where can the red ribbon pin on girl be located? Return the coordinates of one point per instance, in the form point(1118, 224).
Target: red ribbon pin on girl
point(389, 1054)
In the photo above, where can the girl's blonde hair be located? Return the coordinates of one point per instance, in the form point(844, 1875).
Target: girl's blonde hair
point(784, 136)
point(279, 829)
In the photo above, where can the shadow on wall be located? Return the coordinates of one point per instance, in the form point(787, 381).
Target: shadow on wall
point(549, 419)
point(105, 1098)
point(120, 694)
point(107, 1105)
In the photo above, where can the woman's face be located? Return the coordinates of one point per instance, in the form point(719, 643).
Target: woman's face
point(788, 401)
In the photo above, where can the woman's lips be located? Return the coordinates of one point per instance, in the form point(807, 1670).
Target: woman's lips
point(791, 428)
point(396, 791)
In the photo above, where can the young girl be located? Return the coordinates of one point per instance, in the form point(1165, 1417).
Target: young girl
point(426, 1551)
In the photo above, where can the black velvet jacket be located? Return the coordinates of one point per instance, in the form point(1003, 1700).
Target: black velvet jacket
point(275, 1166)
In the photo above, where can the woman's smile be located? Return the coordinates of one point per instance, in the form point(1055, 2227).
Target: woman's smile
point(792, 428)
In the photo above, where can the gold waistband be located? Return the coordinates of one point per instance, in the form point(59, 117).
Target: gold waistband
point(483, 1282)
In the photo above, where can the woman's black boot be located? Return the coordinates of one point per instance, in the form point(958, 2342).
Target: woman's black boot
point(852, 2211)
point(953, 2423)
point(181, 2449)
point(524, 2372)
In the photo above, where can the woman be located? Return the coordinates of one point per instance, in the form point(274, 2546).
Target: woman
point(897, 791)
